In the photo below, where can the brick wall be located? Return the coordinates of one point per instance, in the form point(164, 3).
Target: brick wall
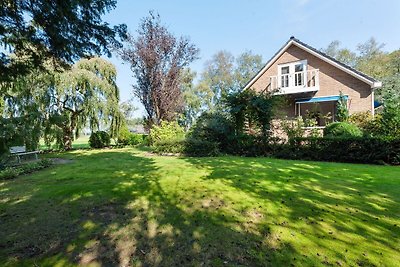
point(331, 80)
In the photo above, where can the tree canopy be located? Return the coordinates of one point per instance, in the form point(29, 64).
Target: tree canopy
point(64, 31)
point(157, 59)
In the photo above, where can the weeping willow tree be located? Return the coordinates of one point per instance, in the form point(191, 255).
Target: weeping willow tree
point(23, 107)
point(85, 95)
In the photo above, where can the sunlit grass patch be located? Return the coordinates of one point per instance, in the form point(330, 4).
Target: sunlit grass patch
point(126, 207)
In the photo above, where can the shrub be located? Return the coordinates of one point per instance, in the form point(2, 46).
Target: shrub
point(201, 148)
point(99, 139)
point(215, 128)
point(342, 129)
point(342, 111)
point(361, 119)
point(343, 149)
point(8, 173)
point(126, 138)
point(123, 136)
point(390, 121)
point(165, 132)
point(13, 172)
point(169, 146)
point(293, 128)
point(190, 147)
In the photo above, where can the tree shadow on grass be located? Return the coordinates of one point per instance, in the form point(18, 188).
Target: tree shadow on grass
point(330, 207)
point(111, 208)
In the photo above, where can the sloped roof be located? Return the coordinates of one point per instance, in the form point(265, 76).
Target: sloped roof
point(344, 67)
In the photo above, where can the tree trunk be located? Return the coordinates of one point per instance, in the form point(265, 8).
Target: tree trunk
point(68, 132)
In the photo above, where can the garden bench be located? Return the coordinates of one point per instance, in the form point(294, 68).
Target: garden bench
point(19, 151)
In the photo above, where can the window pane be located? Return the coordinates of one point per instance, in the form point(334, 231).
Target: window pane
point(298, 67)
point(285, 70)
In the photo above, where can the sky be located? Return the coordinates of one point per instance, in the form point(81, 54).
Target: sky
point(260, 26)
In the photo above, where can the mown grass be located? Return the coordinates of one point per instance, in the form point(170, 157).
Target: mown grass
point(79, 143)
point(129, 208)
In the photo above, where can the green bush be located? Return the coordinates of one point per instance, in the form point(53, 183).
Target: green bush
point(189, 147)
point(9, 173)
point(201, 148)
point(374, 150)
point(215, 128)
point(342, 129)
point(99, 139)
point(126, 138)
point(13, 172)
point(169, 146)
point(165, 132)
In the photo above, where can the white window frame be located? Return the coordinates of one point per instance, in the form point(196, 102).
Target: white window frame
point(291, 66)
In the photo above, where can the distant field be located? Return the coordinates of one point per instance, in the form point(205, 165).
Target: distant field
point(81, 142)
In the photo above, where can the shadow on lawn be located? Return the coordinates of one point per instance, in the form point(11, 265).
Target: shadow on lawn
point(320, 204)
point(109, 208)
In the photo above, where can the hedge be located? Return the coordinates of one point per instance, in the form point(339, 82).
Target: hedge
point(376, 150)
point(189, 147)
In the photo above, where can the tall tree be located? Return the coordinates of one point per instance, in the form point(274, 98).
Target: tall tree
point(85, 95)
point(192, 98)
point(247, 65)
point(218, 75)
point(372, 59)
point(342, 54)
point(61, 30)
point(224, 75)
point(157, 59)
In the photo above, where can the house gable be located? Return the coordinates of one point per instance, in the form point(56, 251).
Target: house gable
point(318, 54)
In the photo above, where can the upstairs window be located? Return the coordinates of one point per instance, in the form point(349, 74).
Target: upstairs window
point(292, 74)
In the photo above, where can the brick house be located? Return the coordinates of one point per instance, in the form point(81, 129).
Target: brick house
point(312, 82)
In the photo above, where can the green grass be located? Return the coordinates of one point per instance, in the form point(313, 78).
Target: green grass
point(126, 207)
point(79, 143)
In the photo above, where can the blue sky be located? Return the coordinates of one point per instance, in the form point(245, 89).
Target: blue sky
point(260, 26)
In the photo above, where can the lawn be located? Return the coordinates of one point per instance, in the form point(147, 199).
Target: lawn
point(79, 143)
point(127, 207)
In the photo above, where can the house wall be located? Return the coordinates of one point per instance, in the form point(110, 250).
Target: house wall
point(331, 81)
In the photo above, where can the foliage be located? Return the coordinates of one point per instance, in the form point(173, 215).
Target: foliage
point(201, 148)
point(192, 98)
point(173, 146)
point(188, 147)
point(13, 172)
point(341, 54)
point(125, 138)
point(293, 128)
point(166, 132)
point(376, 150)
point(250, 109)
point(361, 119)
point(342, 129)
point(86, 95)
point(214, 127)
point(342, 110)
point(157, 59)
point(99, 139)
point(224, 75)
point(390, 120)
point(64, 31)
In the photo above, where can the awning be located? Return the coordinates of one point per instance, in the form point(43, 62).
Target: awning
point(377, 104)
point(319, 99)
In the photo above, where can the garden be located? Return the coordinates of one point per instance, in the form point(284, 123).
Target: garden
point(208, 175)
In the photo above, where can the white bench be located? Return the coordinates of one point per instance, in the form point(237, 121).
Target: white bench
point(19, 151)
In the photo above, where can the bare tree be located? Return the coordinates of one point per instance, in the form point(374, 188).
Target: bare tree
point(157, 59)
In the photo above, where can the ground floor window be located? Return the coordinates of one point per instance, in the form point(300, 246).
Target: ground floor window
point(321, 113)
